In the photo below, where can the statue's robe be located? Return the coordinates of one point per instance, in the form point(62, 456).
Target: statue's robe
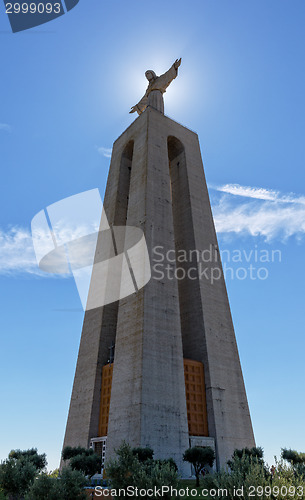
point(154, 93)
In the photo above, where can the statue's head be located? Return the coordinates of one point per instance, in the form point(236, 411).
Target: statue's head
point(150, 75)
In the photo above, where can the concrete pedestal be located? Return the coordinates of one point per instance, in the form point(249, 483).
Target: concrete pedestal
point(156, 182)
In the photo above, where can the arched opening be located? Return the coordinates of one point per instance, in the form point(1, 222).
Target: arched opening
point(121, 206)
point(110, 312)
point(191, 318)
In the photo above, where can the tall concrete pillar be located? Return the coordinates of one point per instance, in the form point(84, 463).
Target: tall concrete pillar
point(156, 182)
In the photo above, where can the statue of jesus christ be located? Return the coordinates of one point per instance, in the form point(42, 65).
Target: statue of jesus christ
point(156, 87)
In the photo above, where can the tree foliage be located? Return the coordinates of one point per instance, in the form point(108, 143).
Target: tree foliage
point(16, 477)
point(251, 480)
point(70, 452)
point(43, 488)
point(88, 464)
point(242, 459)
point(255, 452)
point(128, 470)
point(83, 460)
point(293, 456)
point(122, 470)
point(296, 459)
point(71, 484)
point(68, 486)
point(199, 458)
point(143, 454)
point(170, 461)
point(32, 455)
point(54, 473)
point(19, 470)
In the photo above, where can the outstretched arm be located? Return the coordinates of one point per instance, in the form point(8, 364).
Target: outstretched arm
point(134, 109)
point(139, 108)
point(177, 63)
point(165, 79)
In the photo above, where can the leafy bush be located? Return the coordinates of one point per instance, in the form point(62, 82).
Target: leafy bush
point(71, 484)
point(169, 461)
point(297, 461)
point(244, 474)
point(39, 461)
point(16, 477)
point(43, 488)
point(18, 472)
point(248, 477)
point(292, 456)
point(122, 470)
point(70, 452)
point(54, 473)
point(246, 456)
point(199, 458)
point(68, 486)
point(156, 474)
point(255, 453)
point(127, 470)
point(143, 454)
point(88, 464)
point(83, 460)
point(242, 461)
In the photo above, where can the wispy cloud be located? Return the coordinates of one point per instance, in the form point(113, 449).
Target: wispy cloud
point(259, 193)
point(266, 213)
point(5, 127)
point(17, 252)
point(263, 212)
point(104, 151)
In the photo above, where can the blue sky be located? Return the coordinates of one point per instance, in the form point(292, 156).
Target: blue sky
point(66, 91)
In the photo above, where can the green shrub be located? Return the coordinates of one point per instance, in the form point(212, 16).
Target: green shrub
point(43, 488)
point(70, 452)
point(143, 454)
point(121, 470)
point(32, 455)
point(54, 473)
point(297, 461)
point(16, 477)
point(243, 460)
point(155, 475)
point(18, 471)
point(169, 461)
point(127, 470)
point(71, 484)
point(68, 486)
point(199, 458)
point(83, 460)
point(208, 482)
point(248, 475)
point(293, 456)
point(250, 478)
